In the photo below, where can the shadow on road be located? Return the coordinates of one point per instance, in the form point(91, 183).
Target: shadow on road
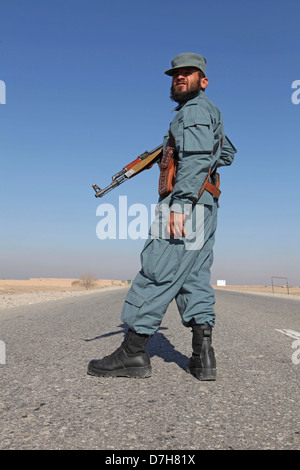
point(158, 345)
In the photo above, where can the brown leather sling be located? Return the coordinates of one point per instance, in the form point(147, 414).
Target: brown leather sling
point(168, 170)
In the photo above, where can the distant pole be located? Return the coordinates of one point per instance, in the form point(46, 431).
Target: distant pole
point(278, 277)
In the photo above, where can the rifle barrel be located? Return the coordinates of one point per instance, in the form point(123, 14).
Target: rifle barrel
point(130, 170)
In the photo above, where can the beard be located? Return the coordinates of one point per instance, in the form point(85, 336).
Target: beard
point(183, 96)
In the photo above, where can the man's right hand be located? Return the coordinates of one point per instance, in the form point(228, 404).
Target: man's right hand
point(175, 225)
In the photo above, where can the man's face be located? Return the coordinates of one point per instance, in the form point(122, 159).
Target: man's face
point(186, 84)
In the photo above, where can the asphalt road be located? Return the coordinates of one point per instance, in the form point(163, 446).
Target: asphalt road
point(49, 402)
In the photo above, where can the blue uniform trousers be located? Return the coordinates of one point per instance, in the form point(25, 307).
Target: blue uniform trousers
point(171, 271)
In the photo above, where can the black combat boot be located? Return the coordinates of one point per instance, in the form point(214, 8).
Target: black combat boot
point(202, 364)
point(129, 360)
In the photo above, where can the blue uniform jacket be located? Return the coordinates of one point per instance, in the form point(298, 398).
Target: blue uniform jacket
point(197, 128)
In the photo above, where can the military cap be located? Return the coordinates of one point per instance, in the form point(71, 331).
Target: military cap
point(187, 59)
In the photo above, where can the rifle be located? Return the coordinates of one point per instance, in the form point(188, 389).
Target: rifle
point(143, 162)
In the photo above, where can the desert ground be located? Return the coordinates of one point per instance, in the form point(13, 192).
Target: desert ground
point(284, 290)
point(15, 293)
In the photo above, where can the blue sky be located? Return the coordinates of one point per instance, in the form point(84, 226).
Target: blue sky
point(86, 94)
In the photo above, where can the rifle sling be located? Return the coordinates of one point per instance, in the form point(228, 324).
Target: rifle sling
point(168, 172)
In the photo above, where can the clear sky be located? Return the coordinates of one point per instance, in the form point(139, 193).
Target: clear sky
point(86, 94)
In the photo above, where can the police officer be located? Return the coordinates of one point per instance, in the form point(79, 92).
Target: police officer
point(177, 257)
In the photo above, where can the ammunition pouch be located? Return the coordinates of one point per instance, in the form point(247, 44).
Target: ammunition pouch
point(168, 170)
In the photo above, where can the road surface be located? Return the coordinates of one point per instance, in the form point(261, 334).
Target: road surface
point(49, 402)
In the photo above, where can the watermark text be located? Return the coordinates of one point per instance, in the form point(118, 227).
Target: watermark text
point(133, 222)
point(296, 344)
point(296, 94)
point(2, 353)
point(2, 92)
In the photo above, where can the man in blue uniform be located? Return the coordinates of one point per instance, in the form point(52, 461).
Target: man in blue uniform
point(178, 254)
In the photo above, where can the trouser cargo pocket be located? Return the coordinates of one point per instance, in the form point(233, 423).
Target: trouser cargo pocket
point(131, 308)
point(160, 259)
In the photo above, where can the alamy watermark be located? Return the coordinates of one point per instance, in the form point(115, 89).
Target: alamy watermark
point(295, 345)
point(296, 94)
point(133, 222)
point(296, 354)
point(2, 353)
point(2, 92)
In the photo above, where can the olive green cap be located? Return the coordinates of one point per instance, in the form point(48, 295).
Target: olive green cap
point(187, 59)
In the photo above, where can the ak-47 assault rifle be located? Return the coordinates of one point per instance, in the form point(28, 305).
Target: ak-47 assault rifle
point(143, 162)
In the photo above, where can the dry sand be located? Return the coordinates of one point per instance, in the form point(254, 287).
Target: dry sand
point(15, 293)
point(264, 289)
point(276, 291)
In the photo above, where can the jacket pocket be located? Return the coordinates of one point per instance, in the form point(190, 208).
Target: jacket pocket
point(198, 138)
